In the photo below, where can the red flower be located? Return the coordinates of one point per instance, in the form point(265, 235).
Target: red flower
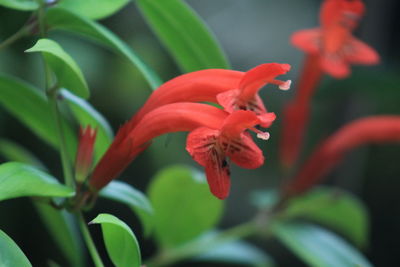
point(376, 129)
point(231, 89)
point(211, 147)
point(206, 121)
point(199, 86)
point(333, 41)
point(84, 156)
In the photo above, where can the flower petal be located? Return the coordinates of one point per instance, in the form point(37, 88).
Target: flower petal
point(217, 172)
point(237, 122)
point(244, 152)
point(259, 76)
point(335, 65)
point(359, 52)
point(307, 41)
point(202, 146)
point(199, 143)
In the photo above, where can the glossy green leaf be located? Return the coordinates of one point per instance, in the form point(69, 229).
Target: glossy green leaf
point(62, 228)
point(136, 200)
point(58, 18)
point(233, 253)
point(94, 9)
point(334, 208)
point(64, 67)
point(184, 34)
point(318, 247)
point(25, 5)
point(121, 243)
point(21, 180)
point(10, 253)
point(183, 205)
point(87, 115)
point(30, 106)
point(12, 151)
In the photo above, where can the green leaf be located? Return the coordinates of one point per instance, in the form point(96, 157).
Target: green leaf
point(10, 253)
point(121, 243)
point(14, 152)
point(136, 200)
point(21, 180)
point(65, 68)
point(334, 208)
point(62, 228)
point(317, 246)
point(87, 115)
point(184, 34)
point(63, 19)
point(25, 5)
point(93, 9)
point(183, 205)
point(236, 252)
point(30, 106)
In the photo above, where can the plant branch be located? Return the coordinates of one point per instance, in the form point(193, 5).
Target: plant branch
point(16, 36)
point(89, 241)
point(52, 94)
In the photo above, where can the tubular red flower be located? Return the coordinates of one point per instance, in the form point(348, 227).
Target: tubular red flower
point(330, 49)
point(197, 86)
point(205, 122)
point(333, 41)
point(375, 129)
point(84, 156)
point(208, 85)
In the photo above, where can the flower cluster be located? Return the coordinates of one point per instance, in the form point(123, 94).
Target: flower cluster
point(330, 49)
point(218, 136)
point(215, 135)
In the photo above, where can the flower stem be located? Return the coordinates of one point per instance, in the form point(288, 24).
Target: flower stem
point(89, 241)
point(16, 36)
point(168, 257)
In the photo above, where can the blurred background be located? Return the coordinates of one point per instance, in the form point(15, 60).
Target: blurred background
point(251, 32)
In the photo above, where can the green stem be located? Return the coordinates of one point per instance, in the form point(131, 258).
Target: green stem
point(41, 14)
point(89, 242)
point(16, 36)
point(67, 170)
point(171, 256)
point(52, 93)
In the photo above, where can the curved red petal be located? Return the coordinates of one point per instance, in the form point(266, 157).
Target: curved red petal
point(358, 52)
point(266, 119)
point(199, 143)
point(244, 152)
point(307, 41)
point(237, 122)
point(259, 76)
point(218, 175)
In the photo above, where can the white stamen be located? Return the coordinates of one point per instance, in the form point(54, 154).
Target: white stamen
point(263, 136)
point(286, 85)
